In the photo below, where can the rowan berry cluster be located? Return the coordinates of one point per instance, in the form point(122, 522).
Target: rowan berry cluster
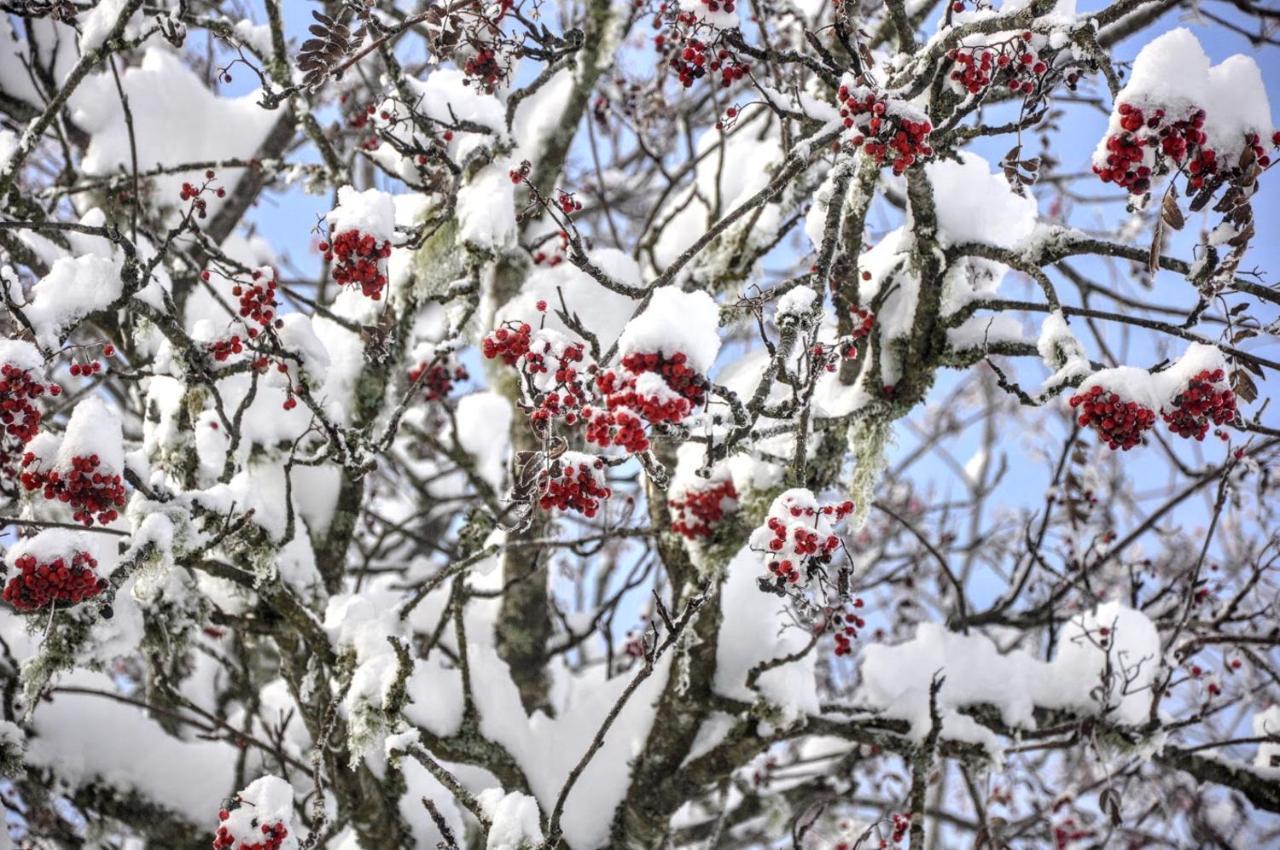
point(799, 537)
point(510, 342)
point(222, 349)
point(1207, 398)
point(357, 259)
point(94, 494)
point(843, 623)
point(554, 255)
point(18, 413)
point(692, 57)
point(1120, 422)
point(573, 482)
point(39, 584)
point(1150, 142)
point(864, 321)
point(268, 836)
point(485, 68)
point(696, 512)
point(258, 302)
point(1015, 64)
point(901, 822)
point(567, 203)
point(437, 377)
point(613, 405)
point(885, 131)
point(195, 194)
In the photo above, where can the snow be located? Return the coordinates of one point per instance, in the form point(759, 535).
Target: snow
point(757, 628)
point(896, 679)
point(1268, 755)
point(486, 208)
point(1156, 390)
point(73, 289)
point(797, 303)
point(266, 801)
point(189, 777)
point(601, 310)
point(676, 321)
point(176, 118)
point(975, 204)
point(371, 211)
point(99, 21)
point(21, 354)
point(1173, 72)
point(93, 429)
point(484, 432)
point(514, 820)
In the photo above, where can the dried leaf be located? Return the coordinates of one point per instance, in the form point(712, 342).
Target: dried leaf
point(1169, 210)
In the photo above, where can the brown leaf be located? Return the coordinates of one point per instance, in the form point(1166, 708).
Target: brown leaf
point(1157, 239)
point(1243, 386)
point(1169, 210)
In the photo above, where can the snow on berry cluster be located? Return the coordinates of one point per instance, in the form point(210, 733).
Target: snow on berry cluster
point(1122, 404)
point(659, 380)
point(49, 578)
point(258, 819)
point(697, 509)
point(1178, 114)
point(20, 389)
point(360, 230)
point(573, 482)
point(692, 46)
point(82, 469)
point(799, 537)
point(887, 130)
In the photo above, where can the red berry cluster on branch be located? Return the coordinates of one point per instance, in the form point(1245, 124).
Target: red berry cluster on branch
point(864, 321)
point(696, 512)
point(222, 349)
point(798, 536)
point(357, 259)
point(510, 342)
point(39, 585)
point(843, 624)
point(692, 58)
point(1120, 422)
point(573, 482)
point(258, 302)
point(437, 377)
point(1206, 399)
point(93, 494)
point(194, 194)
point(1014, 63)
point(18, 413)
point(883, 131)
point(270, 836)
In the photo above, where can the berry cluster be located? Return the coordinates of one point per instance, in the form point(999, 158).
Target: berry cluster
point(485, 68)
point(844, 625)
point(1121, 423)
point(357, 259)
point(798, 536)
point(883, 131)
point(1206, 398)
point(270, 835)
point(901, 826)
point(258, 300)
point(696, 512)
point(573, 482)
point(40, 585)
point(437, 377)
point(1015, 63)
point(222, 349)
point(194, 194)
point(615, 407)
point(1151, 142)
point(691, 57)
point(18, 413)
point(567, 203)
point(555, 255)
point(93, 494)
point(863, 322)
